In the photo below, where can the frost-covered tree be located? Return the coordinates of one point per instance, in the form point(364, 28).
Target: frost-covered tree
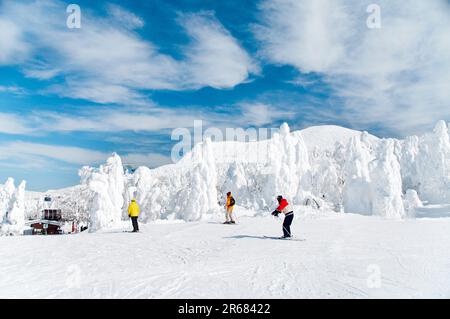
point(357, 174)
point(407, 156)
point(107, 184)
point(433, 165)
point(6, 193)
point(146, 195)
point(201, 196)
point(327, 182)
point(386, 183)
point(289, 170)
point(356, 194)
point(411, 202)
point(14, 221)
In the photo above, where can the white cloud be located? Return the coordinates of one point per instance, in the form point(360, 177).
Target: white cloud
point(214, 58)
point(396, 77)
point(36, 155)
point(12, 89)
point(117, 121)
point(125, 17)
point(260, 114)
point(307, 34)
point(13, 124)
point(106, 61)
point(142, 119)
point(72, 155)
point(103, 93)
point(99, 120)
point(41, 74)
point(12, 45)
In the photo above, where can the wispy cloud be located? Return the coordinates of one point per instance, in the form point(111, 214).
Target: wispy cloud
point(106, 61)
point(394, 77)
point(67, 154)
point(38, 155)
point(14, 124)
point(260, 114)
point(124, 17)
point(120, 120)
point(13, 89)
point(142, 119)
point(214, 57)
point(12, 44)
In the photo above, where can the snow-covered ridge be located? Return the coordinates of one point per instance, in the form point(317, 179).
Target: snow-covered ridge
point(335, 167)
point(324, 137)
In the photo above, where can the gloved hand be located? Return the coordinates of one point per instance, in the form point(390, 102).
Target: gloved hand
point(275, 213)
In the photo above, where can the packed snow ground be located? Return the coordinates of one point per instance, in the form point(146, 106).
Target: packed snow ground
point(341, 258)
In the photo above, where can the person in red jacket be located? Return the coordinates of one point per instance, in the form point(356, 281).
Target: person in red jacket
point(286, 209)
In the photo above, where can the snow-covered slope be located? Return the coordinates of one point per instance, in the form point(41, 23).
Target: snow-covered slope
point(344, 256)
point(325, 137)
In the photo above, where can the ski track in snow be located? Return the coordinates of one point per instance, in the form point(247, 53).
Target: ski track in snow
point(206, 260)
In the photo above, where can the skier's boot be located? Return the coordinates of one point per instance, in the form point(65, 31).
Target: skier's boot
point(232, 222)
point(227, 222)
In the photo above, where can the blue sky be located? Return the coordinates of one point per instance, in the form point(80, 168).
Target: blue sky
point(136, 70)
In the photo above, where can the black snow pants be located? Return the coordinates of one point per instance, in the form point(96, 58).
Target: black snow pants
point(134, 221)
point(287, 224)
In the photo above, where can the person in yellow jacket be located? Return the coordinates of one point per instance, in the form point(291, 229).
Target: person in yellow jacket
point(133, 213)
point(229, 208)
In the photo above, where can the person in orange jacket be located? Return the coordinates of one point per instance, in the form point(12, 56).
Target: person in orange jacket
point(286, 209)
point(229, 209)
point(133, 213)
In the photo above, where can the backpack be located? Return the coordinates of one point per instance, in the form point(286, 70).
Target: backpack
point(232, 201)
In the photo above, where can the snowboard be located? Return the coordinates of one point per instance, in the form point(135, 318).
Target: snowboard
point(286, 239)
